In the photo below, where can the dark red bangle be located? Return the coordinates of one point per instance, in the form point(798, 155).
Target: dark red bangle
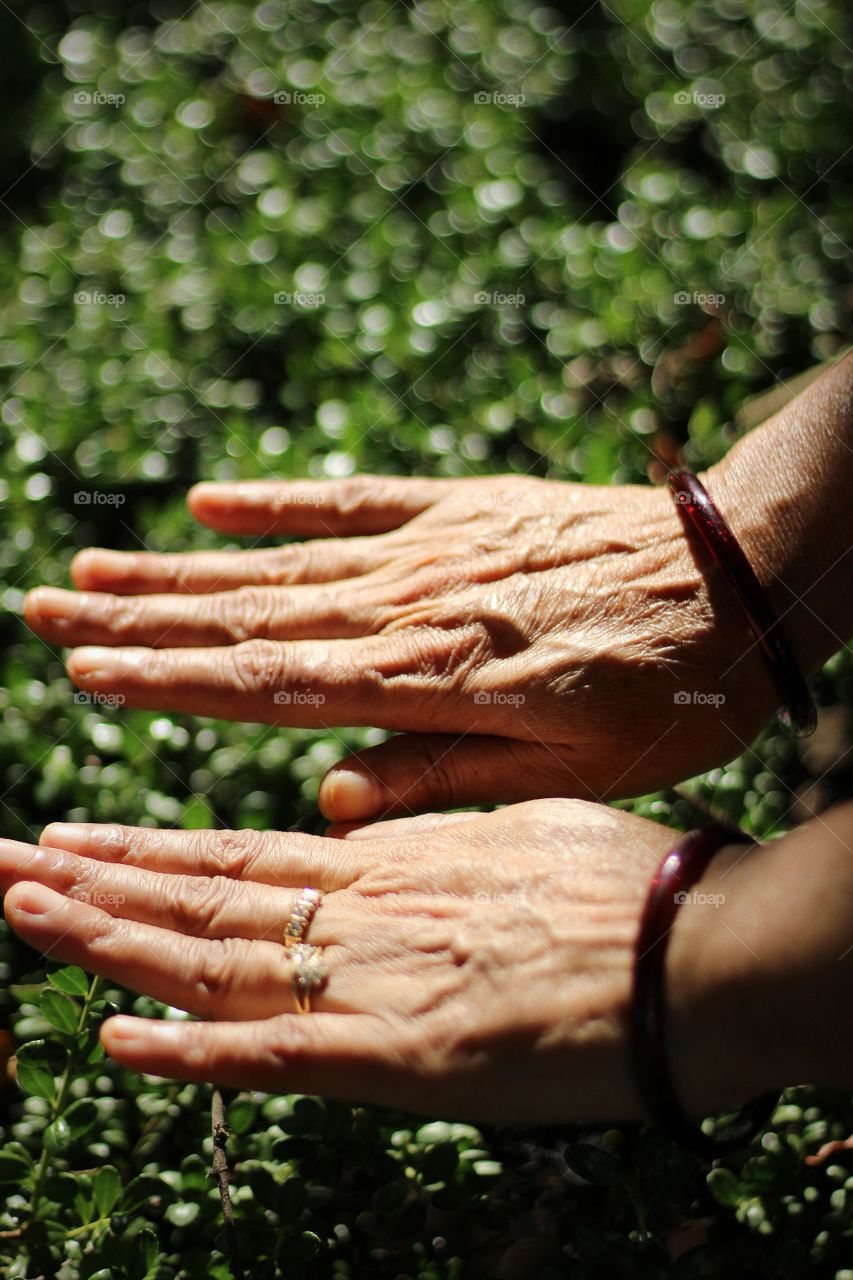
point(680, 870)
point(798, 714)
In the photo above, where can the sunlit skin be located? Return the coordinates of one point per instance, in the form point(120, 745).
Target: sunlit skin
point(528, 637)
point(479, 965)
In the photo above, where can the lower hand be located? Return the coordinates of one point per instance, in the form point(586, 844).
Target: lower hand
point(479, 965)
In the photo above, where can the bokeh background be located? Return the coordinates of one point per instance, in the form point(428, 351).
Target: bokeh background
point(446, 238)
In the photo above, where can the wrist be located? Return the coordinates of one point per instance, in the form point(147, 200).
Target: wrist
point(715, 1061)
point(760, 969)
point(784, 491)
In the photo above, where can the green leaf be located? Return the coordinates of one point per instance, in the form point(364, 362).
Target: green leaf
point(141, 1191)
point(71, 1126)
point(107, 1189)
point(83, 1207)
point(142, 1250)
point(81, 1117)
point(72, 980)
point(439, 1163)
point(241, 1114)
point(292, 1199)
point(266, 1190)
point(12, 1168)
point(38, 1063)
point(57, 1136)
point(594, 1164)
point(60, 1012)
point(183, 1213)
point(723, 1185)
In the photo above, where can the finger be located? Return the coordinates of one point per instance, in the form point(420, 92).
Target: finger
point(432, 771)
point(284, 858)
point(394, 681)
point(398, 827)
point(337, 1057)
point(228, 978)
point(226, 617)
point(198, 906)
point(198, 572)
point(315, 508)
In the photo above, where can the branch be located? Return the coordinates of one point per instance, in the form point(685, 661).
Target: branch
point(222, 1174)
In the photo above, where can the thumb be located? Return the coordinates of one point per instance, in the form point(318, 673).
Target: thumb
point(412, 773)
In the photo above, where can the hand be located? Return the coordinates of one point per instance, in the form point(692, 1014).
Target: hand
point(479, 965)
point(531, 638)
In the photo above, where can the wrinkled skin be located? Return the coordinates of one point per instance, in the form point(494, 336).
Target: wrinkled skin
point(477, 963)
point(529, 637)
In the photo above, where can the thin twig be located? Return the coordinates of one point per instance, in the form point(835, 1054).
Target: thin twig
point(222, 1174)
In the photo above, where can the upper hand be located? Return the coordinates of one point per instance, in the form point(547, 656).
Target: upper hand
point(530, 637)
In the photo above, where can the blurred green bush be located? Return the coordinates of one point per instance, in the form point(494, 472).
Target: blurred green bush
point(288, 239)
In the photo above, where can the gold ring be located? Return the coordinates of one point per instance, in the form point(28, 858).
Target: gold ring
point(301, 916)
point(309, 973)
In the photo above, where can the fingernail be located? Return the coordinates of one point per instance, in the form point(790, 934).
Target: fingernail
point(136, 1030)
point(123, 1028)
point(346, 795)
point(103, 560)
point(54, 603)
point(94, 661)
point(206, 489)
point(66, 835)
point(14, 854)
point(37, 900)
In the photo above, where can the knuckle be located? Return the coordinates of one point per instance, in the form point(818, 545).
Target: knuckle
point(215, 965)
point(256, 665)
point(349, 497)
point(124, 614)
point(176, 566)
point(77, 880)
point(291, 1042)
point(235, 852)
point(196, 903)
point(104, 935)
point(247, 612)
point(289, 564)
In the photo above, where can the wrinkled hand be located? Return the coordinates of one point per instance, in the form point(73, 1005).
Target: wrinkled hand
point(479, 965)
point(530, 638)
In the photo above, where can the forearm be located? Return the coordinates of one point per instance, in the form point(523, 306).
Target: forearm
point(761, 968)
point(786, 490)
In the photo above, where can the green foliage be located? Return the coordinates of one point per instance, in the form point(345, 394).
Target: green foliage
point(411, 272)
